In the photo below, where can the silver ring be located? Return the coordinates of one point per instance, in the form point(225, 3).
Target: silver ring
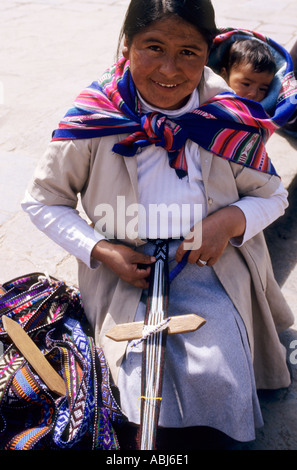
point(202, 262)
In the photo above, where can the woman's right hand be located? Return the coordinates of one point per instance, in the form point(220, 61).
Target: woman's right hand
point(125, 262)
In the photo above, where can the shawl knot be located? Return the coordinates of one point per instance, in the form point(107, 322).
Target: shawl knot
point(157, 129)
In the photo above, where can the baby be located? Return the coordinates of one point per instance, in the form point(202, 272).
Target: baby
point(249, 69)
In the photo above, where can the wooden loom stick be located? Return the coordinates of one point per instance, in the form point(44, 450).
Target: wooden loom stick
point(178, 324)
point(34, 356)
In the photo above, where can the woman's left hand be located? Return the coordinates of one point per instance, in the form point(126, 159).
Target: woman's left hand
point(209, 238)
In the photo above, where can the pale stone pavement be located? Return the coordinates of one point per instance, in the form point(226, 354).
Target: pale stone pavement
point(50, 50)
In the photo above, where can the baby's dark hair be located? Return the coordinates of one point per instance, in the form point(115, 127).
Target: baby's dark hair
point(254, 52)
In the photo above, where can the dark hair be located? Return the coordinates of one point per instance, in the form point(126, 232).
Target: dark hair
point(141, 13)
point(254, 52)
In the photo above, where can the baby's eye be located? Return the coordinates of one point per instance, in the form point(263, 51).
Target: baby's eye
point(246, 84)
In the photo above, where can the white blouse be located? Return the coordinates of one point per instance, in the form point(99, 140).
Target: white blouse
point(183, 200)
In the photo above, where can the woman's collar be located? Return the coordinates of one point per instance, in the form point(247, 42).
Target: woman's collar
point(192, 103)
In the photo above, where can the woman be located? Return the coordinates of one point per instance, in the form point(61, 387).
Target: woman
point(211, 375)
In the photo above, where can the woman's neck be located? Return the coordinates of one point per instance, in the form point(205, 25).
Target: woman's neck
point(192, 103)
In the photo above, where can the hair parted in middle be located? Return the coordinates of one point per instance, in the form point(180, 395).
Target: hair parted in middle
point(142, 13)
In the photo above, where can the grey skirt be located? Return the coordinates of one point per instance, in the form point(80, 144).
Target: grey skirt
point(208, 374)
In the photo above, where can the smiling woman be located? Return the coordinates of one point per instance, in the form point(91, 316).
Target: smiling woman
point(168, 46)
point(161, 129)
point(167, 60)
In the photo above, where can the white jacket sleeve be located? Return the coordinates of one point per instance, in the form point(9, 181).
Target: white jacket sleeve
point(261, 212)
point(65, 226)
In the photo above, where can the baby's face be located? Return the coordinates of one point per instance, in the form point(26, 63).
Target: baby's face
point(249, 84)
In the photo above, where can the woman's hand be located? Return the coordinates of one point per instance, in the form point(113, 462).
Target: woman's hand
point(210, 237)
point(125, 262)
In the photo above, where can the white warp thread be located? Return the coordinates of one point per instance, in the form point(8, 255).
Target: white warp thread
point(149, 330)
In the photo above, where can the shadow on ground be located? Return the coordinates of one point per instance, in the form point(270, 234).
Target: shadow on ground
point(279, 408)
point(281, 238)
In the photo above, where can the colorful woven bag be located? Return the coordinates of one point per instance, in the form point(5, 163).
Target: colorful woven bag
point(31, 415)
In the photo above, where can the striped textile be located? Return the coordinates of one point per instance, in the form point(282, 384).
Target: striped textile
point(32, 417)
point(231, 127)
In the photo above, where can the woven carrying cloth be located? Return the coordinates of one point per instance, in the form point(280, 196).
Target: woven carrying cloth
point(231, 127)
point(31, 415)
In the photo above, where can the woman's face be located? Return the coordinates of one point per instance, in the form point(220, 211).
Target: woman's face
point(166, 62)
